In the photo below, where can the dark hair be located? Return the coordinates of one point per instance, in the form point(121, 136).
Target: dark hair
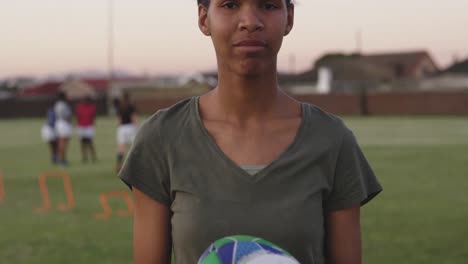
point(124, 102)
point(61, 96)
point(207, 2)
point(126, 96)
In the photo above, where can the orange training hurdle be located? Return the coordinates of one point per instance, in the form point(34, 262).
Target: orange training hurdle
point(2, 188)
point(45, 192)
point(105, 204)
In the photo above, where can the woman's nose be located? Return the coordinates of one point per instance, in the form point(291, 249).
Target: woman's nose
point(250, 20)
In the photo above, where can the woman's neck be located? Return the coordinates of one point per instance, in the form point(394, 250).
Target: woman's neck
point(242, 99)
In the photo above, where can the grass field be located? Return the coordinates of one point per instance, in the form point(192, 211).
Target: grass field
point(421, 217)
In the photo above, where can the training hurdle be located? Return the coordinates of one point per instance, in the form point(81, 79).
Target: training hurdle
point(2, 188)
point(103, 198)
point(45, 192)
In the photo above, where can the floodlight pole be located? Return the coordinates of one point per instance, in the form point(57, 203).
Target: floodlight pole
point(110, 55)
point(110, 43)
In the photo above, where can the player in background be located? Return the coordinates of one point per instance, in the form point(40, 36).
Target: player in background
point(127, 129)
point(63, 127)
point(85, 112)
point(48, 134)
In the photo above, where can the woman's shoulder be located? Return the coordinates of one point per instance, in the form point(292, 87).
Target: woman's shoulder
point(168, 120)
point(323, 129)
point(320, 118)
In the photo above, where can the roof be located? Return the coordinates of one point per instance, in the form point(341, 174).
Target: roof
point(358, 69)
point(76, 89)
point(409, 60)
point(48, 88)
point(52, 88)
point(354, 67)
point(375, 67)
point(303, 77)
point(459, 67)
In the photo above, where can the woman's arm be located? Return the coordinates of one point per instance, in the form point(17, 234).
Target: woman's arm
point(344, 236)
point(151, 231)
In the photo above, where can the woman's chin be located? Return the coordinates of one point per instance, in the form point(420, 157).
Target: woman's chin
point(253, 69)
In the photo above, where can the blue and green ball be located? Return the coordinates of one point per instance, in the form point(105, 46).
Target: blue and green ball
point(241, 249)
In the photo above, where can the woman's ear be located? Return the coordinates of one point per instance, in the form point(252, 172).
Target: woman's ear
point(203, 20)
point(290, 21)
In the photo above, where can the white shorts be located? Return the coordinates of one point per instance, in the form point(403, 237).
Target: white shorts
point(126, 134)
point(85, 132)
point(63, 129)
point(48, 133)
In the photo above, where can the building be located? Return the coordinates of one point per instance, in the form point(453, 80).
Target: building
point(405, 65)
point(379, 71)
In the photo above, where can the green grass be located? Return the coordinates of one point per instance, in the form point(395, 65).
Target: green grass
point(422, 162)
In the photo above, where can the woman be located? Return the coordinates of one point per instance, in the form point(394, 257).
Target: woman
point(63, 128)
point(85, 112)
point(48, 134)
point(246, 158)
point(127, 127)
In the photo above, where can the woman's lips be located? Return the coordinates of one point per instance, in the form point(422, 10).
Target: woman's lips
point(250, 45)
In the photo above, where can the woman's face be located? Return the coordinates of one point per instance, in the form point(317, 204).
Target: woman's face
point(247, 34)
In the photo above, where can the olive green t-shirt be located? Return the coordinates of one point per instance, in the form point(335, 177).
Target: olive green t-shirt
point(175, 161)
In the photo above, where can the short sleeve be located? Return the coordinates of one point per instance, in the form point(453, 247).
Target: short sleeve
point(354, 181)
point(145, 166)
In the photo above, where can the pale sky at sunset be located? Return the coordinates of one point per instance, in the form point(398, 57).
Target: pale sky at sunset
point(159, 37)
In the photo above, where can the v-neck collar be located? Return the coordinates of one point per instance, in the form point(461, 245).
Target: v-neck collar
point(219, 153)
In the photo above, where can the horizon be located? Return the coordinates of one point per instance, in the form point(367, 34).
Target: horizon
point(56, 37)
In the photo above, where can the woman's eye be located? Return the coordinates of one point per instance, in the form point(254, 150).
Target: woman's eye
point(269, 6)
point(229, 5)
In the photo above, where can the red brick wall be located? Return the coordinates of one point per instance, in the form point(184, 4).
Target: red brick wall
point(421, 103)
point(334, 103)
point(149, 106)
point(340, 104)
point(395, 103)
point(37, 107)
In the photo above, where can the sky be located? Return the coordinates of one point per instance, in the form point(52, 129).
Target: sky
point(41, 38)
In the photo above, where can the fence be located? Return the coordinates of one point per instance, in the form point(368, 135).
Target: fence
point(37, 106)
point(388, 103)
